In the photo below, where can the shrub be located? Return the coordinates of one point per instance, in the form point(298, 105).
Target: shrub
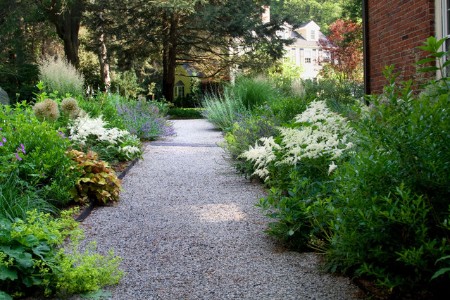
point(253, 92)
point(97, 182)
point(59, 75)
point(35, 154)
point(33, 262)
point(185, 113)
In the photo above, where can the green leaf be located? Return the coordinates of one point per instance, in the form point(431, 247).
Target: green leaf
point(6, 273)
point(5, 296)
point(440, 272)
point(22, 258)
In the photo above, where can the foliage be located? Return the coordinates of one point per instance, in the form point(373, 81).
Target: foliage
point(223, 110)
point(98, 180)
point(285, 76)
point(143, 119)
point(238, 100)
point(127, 84)
point(345, 46)
point(34, 154)
point(297, 12)
point(112, 144)
point(185, 113)
point(32, 261)
point(59, 75)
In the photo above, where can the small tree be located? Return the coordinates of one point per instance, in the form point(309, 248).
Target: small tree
point(344, 44)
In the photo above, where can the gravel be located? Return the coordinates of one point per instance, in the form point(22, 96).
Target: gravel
point(187, 228)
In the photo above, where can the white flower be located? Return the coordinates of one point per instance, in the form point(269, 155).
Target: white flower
point(262, 155)
point(332, 167)
point(85, 126)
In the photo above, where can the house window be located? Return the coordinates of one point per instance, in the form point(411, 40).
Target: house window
point(308, 56)
point(313, 34)
point(179, 89)
point(293, 55)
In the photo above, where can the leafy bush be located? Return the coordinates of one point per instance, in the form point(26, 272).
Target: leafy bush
point(185, 113)
point(98, 181)
point(392, 199)
point(33, 262)
point(34, 154)
point(59, 75)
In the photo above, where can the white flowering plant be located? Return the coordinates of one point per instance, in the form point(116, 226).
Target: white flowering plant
point(112, 144)
point(299, 165)
point(318, 133)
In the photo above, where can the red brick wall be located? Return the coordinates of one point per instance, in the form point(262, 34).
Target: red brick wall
point(395, 29)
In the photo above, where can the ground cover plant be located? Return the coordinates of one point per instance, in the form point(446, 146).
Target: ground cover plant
point(34, 262)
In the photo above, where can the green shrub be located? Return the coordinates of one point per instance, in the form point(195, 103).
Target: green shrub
point(59, 75)
point(185, 113)
point(392, 198)
point(33, 262)
point(298, 166)
point(35, 154)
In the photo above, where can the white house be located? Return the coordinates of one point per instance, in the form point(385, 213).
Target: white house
point(305, 51)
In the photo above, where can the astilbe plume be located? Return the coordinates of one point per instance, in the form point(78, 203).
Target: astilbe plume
point(261, 155)
point(46, 110)
point(323, 133)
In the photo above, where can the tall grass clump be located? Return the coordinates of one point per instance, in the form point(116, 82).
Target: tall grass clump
point(223, 110)
point(59, 75)
point(254, 92)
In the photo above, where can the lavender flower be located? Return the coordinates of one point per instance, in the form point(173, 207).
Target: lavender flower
point(18, 157)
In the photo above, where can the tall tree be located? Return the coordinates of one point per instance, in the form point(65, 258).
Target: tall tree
point(66, 16)
point(198, 30)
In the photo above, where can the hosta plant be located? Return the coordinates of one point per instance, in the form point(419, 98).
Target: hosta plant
point(98, 181)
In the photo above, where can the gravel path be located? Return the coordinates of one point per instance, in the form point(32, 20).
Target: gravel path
point(187, 228)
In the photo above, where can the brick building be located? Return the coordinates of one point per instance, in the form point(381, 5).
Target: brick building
point(393, 30)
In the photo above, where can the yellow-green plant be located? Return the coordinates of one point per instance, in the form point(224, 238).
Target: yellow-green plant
point(98, 180)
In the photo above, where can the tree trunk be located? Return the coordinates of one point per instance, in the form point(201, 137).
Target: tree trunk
point(170, 58)
point(67, 24)
point(103, 56)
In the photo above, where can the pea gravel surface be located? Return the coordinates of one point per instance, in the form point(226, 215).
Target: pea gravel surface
point(187, 227)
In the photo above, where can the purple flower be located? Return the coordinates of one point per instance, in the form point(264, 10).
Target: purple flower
point(18, 157)
point(1, 144)
point(22, 148)
point(4, 140)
